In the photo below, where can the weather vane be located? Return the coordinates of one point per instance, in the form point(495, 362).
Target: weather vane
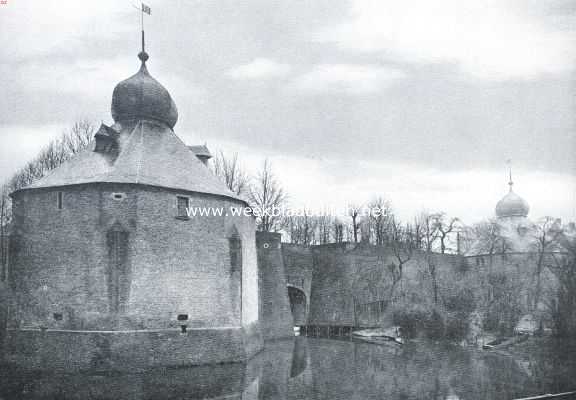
point(144, 9)
point(510, 182)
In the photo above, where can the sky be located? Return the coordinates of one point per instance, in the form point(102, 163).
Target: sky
point(420, 102)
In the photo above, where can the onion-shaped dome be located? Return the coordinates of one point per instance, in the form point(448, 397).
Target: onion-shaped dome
point(512, 205)
point(143, 97)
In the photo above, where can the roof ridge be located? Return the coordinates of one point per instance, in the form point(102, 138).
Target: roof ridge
point(193, 157)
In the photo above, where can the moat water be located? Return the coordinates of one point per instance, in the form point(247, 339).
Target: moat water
point(312, 368)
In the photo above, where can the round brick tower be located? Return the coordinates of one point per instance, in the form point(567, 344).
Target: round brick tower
point(110, 267)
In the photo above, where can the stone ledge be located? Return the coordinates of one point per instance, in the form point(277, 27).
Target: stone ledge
point(120, 350)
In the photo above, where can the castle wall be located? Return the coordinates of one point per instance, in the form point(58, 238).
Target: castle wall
point(125, 350)
point(351, 284)
point(299, 265)
point(58, 257)
point(61, 260)
point(331, 296)
point(275, 315)
point(190, 260)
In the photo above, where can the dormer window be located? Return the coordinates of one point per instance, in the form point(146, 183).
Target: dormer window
point(60, 200)
point(183, 204)
point(106, 141)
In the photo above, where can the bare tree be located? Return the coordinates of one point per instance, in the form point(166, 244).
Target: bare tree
point(403, 245)
point(354, 213)
point(563, 266)
point(444, 228)
point(380, 217)
point(429, 238)
point(323, 228)
point(338, 231)
point(546, 237)
point(58, 150)
point(4, 222)
point(301, 228)
point(465, 239)
point(427, 233)
point(78, 137)
point(489, 240)
point(230, 172)
point(365, 227)
point(348, 232)
point(418, 232)
point(267, 196)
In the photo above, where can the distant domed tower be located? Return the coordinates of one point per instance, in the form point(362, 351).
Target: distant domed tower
point(512, 205)
point(108, 264)
point(513, 229)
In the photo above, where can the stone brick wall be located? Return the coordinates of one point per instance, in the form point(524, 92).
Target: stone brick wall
point(126, 350)
point(348, 277)
point(351, 284)
point(299, 265)
point(275, 316)
point(60, 260)
point(190, 259)
point(331, 298)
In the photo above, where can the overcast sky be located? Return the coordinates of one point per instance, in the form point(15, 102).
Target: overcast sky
point(419, 101)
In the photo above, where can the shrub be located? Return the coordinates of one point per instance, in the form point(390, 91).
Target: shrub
point(434, 325)
point(410, 319)
point(462, 301)
point(415, 320)
point(457, 325)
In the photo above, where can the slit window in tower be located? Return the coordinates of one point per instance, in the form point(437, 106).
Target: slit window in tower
point(235, 253)
point(59, 200)
point(183, 204)
point(118, 270)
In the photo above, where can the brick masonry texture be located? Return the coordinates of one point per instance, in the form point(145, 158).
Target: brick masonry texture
point(61, 262)
point(341, 274)
point(76, 351)
point(341, 269)
point(275, 316)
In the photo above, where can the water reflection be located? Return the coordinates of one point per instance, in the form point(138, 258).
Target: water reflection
point(307, 368)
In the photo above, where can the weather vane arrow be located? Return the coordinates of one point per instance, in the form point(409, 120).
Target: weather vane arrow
point(144, 9)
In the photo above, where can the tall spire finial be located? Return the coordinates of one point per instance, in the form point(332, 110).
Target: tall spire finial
point(510, 181)
point(143, 56)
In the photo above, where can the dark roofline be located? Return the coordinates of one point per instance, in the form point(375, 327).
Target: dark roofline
point(171, 189)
